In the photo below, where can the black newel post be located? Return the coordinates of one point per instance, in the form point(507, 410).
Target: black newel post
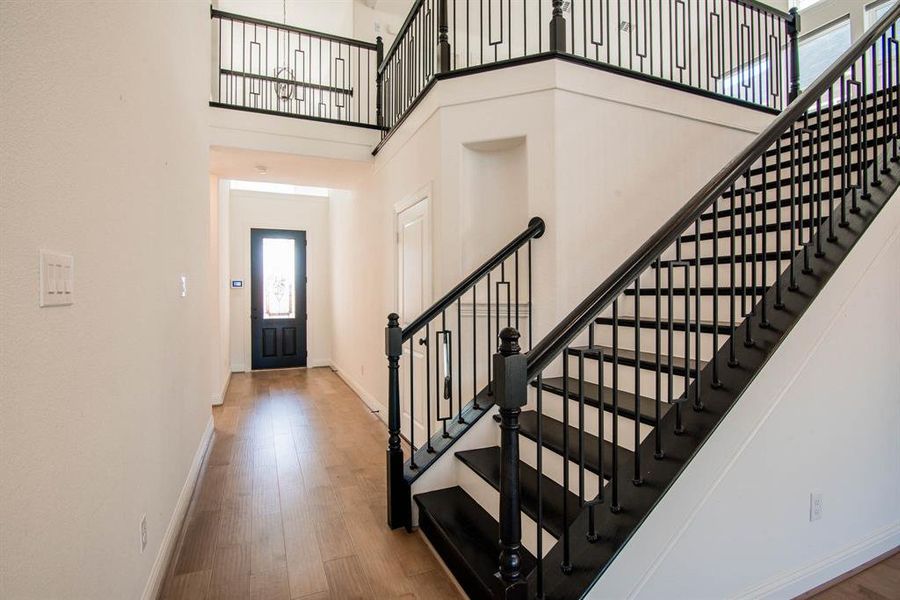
point(558, 28)
point(397, 488)
point(793, 31)
point(443, 41)
point(510, 395)
point(379, 57)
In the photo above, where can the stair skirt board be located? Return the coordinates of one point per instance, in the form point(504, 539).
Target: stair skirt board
point(489, 498)
point(444, 469)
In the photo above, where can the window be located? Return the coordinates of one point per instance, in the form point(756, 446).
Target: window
point(875, 11)
point(819, 49)
point(803, 4)
point(278, 278)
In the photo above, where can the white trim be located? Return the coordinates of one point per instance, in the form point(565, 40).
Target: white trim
point(367, 398)
point(168, 543)
point(481, 309)
point(817, 573)
point(219, 399)
point(423, 193)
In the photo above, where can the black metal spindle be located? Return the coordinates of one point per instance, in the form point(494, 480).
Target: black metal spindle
point(614, 500)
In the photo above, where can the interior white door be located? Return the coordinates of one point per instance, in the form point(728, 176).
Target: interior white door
point(414, 296)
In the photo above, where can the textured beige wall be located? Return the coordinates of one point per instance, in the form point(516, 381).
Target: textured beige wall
point(103, 147)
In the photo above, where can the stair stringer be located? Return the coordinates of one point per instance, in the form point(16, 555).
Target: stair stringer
point(775, 551)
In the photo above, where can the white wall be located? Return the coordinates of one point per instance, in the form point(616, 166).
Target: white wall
point(220, 208)
point(105, 402)
point(567, 139)
point(822, 416)
point(257, 210)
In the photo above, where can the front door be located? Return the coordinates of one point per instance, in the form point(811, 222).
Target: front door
point(278, 298)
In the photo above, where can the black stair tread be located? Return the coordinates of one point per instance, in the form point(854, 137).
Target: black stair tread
point(728, 258)
point(647, 406)
point(806, 176)
point(466, 537)
point(552, 438)
point(704, 291)
point(802, 150)
point(785, 202)
point(725, 232)
point(486, 463)
point(650, 323)
point(647, 360)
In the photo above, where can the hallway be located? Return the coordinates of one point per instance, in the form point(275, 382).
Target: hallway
point(291, 501)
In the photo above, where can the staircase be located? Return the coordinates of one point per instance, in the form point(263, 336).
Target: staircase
point(597, 418)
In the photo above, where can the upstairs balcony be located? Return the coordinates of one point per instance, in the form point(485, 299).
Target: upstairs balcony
point(737, 51)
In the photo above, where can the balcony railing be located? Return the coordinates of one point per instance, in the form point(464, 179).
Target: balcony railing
point(278, 69)
point(739, 51)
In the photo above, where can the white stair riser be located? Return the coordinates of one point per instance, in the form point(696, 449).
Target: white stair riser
point(489, 499)
point(553, 467)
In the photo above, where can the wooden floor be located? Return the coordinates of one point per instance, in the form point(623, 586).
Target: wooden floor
point(878, 582)
point(291, 501)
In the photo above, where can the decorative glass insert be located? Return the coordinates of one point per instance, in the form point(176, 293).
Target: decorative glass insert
point(278, 278)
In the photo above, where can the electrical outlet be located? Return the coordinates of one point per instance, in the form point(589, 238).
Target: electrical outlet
point(143, 533)
point(815, 506)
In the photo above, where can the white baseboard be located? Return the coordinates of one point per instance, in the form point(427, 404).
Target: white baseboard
point(238, 368)
point(360, 391)
point(219, 399)
point(167, 545)
point(795, 583)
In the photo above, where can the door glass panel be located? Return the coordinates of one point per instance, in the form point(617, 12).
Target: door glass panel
point(278, 278)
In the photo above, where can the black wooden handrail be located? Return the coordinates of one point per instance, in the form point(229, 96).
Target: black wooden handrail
point(325, 36)
point(563, 334)
point(535, 229)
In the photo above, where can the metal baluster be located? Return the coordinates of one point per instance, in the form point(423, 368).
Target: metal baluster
point(614, 501)
point(763, 316)
point(566, 564)
point(637, 479)
point(732, 358)
point(540, 488)
point(698, 404)
point(475, 348)
point(748, 340)
point(716, 382)
point(657, 432)
point(779, 299)
point(831, 237)
point(795, 189)
point(426, 341)
point(818, 174)
point(459, 362)
point(581, 496)
point(412, 410)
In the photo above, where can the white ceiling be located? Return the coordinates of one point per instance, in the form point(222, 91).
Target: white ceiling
point(234, 163)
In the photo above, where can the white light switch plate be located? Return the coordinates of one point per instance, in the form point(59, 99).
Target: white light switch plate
point(57, 279)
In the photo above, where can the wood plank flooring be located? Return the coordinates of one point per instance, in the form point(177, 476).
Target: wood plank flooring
point(881, 581)
point(291, 502)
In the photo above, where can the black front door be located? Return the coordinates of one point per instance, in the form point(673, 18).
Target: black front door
point(278, 298)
